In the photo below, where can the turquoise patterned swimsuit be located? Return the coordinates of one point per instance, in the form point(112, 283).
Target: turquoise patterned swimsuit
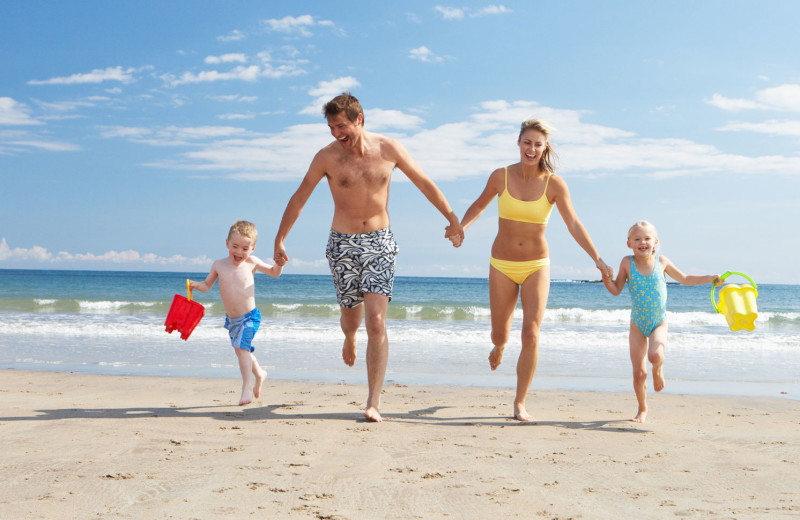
point(649, 296)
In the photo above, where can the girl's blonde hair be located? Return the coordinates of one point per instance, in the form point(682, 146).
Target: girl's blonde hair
point(644, 225)
point(549, 157)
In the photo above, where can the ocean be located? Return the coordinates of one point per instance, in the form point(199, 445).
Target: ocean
point(104, 322)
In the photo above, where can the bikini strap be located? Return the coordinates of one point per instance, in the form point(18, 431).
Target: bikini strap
point(506, 179)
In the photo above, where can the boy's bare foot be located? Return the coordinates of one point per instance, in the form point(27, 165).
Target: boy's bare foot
point(247, 396)
point(372, 414)
point(496, 357)
point(261, 376)
point(640, 417)
point(658, 378)
point(349, 352)
point(521, 414)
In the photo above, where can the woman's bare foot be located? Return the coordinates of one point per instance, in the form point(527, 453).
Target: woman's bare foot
point(349, 352)
point(496, 357)
point(658, 378)
point(640, 417)
point(371, 413)
point(261, 376)
point(521, 414)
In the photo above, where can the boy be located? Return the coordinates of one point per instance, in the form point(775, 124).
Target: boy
point(237, 290)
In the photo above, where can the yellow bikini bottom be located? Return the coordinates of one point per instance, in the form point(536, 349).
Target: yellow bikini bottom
point(518, 272)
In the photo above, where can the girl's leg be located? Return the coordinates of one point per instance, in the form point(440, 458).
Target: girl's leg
point(638, 348)
point(503, 294)
point(655, 353)
point(535, 291)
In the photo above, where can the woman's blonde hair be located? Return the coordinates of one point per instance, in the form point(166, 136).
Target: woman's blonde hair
point(549, 157)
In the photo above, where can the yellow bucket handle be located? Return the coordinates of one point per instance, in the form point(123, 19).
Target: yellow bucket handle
point(189, 289)
point(722, 279)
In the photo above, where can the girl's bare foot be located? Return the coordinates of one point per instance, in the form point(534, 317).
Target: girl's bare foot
point(496, 357)
point(640, 417)
point(658, 378)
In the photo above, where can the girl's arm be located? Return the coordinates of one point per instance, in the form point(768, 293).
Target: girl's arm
point(687, 279)
point(483, 200)
point(271, 270)
point(208, 283)
point(615, 286)
point(575, 227)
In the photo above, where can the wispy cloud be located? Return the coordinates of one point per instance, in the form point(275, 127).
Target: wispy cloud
point(459, 13)
point(233, 36)
point(299, 25)
point(785, 98)
point(425, 55)
point(772, 126)
point(326, 90)
point(13, 113)
point(226, 58)
point(40, 255)
point(95, 76)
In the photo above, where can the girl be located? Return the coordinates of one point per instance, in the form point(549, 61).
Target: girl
point(644, 270)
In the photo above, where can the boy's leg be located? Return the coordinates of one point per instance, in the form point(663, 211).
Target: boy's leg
point(246, 368)
point(638, 352)
point(655, 353)
point(260, 376)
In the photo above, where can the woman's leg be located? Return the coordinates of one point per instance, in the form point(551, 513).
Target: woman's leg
point(535, 291)
point(503, 294)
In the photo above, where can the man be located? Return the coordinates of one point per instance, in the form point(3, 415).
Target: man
point(361, 249)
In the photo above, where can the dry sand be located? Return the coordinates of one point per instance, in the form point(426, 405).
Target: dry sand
point(85, 446)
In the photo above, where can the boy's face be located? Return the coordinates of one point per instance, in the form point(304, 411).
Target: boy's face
point(239, 248)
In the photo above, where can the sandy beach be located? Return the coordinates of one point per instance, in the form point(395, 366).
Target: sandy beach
point(81, 446)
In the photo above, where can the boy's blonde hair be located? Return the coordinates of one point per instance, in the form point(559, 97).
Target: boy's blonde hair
point(644, 225)
point(244, 228)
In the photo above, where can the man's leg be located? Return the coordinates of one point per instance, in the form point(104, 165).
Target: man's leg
point(350, 322)
point(375, 306)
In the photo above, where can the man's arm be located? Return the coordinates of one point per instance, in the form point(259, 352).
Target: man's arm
point(295, 206)
point(411, 169)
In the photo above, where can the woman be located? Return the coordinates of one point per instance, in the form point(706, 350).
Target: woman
point(520, 263)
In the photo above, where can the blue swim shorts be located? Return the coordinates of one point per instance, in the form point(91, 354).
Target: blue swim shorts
point(243, 329)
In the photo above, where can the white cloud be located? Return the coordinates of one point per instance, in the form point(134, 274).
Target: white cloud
point(784, 98)
point(95, 76)
point(232, 117)
point(379, 119)
point(242, 73)
point(226, 58)
point(772, 126)
point(424, 54)
point(38, 254)
point(299, 25)
point(450, 13)
point(490, 10)
point(233, 36)
point(327, 90)
point(14, 113)
point(48, 146)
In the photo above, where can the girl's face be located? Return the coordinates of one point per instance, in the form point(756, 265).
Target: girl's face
point(532, 144)
point(239, 248)
point(643, 241)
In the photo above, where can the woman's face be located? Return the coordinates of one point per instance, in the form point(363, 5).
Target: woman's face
point(532, 144)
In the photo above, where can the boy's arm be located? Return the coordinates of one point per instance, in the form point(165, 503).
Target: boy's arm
point(615, 286)
point(208, 283)
point(262, 267)
point(687, 279)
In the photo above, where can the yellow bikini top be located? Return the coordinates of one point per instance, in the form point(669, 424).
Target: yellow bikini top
point(531, 211)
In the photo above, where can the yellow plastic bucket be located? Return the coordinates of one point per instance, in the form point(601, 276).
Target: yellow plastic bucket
point(737, 303)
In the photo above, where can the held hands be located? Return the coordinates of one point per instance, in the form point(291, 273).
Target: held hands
point(280, 256)
point(606, 272)
point(454, 233)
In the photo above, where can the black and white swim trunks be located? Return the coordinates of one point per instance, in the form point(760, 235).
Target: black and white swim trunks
point(361, 263)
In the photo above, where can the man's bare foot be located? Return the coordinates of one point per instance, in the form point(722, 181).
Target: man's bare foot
point(658, 379)
point(640, 417)
point(496, 357)
point(371, 413)
point(247, 396)
point(261, 375)
point(349, 352)
point(521, 414)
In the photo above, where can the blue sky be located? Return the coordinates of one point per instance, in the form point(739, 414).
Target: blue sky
point(132, 134)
